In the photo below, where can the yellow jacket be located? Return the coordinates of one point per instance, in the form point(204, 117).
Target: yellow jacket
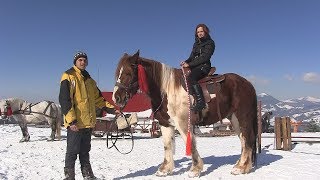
point(79, 96)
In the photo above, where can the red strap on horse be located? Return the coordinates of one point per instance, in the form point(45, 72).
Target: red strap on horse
point(9, 111)
point(142, 79)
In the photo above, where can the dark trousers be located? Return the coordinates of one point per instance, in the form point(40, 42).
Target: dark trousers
point(196, 74)
point(78, 143)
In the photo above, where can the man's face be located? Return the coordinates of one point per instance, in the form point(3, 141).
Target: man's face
point(81, 63)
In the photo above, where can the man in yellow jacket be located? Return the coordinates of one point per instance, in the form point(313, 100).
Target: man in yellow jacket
point(79, 96)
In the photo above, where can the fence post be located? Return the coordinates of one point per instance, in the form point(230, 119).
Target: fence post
point(289, 133)
point(283, 133)
point(277, 130)
point(259, 126)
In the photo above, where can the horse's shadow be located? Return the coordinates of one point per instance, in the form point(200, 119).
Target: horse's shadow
point(214, 162)
point(263, 159)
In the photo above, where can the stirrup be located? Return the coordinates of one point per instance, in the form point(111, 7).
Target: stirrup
point(197, 107)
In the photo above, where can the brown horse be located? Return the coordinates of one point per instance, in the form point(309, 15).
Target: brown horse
point(235, 99)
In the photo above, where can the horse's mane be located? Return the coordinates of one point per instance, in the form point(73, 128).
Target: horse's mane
point(20, 103)
point(165, 77)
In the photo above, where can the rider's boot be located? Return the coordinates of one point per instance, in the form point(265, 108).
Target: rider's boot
point(199, 103)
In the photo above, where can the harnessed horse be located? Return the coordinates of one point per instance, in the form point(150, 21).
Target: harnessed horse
point(235, 99)
point(27, 113)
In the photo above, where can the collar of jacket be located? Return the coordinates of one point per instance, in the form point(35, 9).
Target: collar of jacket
point(203, 39)
point(84, 73)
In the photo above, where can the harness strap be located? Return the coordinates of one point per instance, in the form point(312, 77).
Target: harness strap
point(29, 111)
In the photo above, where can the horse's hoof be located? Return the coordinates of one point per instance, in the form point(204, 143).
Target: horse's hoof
point(50, 139)
point(192, 174)
point(162, 174)
point(236, 171)
point(24, 140)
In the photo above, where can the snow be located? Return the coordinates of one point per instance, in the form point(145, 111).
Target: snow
point(289, 101)
point(285, 106)
point(311, 99)
point(39, 159)
point(263, 94)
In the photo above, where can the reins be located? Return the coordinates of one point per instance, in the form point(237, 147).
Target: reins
point(117, 135)
point(188, 142)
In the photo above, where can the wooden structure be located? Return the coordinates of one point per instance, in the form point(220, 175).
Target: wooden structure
point(283, 133)
point(259, 127)
point(144, 125)
point(105, 125)
point(296, 125)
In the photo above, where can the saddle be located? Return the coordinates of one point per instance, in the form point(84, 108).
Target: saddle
point(210, 86)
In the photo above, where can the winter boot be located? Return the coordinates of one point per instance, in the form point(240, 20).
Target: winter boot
point(87, 173)
point(69, 173)
point(199, 103)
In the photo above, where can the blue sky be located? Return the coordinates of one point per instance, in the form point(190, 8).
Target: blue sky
point(273, 43)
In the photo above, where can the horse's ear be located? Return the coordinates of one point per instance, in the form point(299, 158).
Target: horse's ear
point(135, 57)
point(138, 52)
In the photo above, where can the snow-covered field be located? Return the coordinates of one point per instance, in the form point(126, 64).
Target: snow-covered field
point(40, 159)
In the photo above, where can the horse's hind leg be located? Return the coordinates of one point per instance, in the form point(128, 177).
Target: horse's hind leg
point(58, 128)
point(247, 139)
point(24, 130)
point(168, 139)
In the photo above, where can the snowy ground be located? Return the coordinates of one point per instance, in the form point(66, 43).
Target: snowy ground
point(40, 159)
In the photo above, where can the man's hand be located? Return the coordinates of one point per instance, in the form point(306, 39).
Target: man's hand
point(117, 112)
point(74, 128)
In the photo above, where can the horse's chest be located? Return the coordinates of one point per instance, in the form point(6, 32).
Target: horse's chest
point(177, 104)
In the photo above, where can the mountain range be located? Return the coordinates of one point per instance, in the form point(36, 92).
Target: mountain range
point(302, 109)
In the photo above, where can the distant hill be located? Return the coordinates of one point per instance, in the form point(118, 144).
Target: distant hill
point(301, 109)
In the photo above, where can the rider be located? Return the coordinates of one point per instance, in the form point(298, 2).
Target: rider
point(199, 63)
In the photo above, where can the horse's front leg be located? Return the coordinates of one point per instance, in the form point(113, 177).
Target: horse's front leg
point(168, 139)
point(24, 129)
point(53, 132)
point(197, 163)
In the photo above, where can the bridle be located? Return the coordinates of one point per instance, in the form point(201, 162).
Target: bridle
point(133, 85)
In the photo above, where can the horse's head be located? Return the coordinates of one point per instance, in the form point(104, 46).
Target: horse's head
point(126, 76)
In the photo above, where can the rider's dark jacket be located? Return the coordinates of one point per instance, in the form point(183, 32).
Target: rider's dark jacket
point(79, 96)
point(201, 53)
